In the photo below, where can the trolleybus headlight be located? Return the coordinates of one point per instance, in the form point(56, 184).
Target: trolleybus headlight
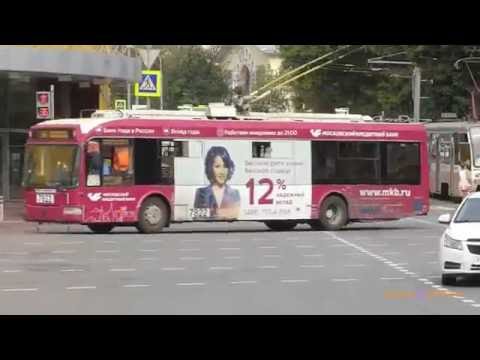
point(452, 243)
point(72, 211)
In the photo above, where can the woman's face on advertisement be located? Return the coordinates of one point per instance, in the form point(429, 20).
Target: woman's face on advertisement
point(220, 172)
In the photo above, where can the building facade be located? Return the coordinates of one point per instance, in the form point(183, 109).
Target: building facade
point(243, 61)
point(81, 77)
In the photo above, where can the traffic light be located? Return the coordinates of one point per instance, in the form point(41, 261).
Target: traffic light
point(44, 105)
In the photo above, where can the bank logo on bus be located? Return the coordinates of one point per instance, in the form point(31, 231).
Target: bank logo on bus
point(94, 196)
point(316, 133)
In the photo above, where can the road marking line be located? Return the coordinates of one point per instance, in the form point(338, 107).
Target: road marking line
point(476, 305)
point(434, 277)
point(190, 284)
point(186, 258)
point(294, 281)
point(136, 285)
point(232, 257)
point(55, 260)
point(149, 241)
point(312, 266)
point(355, 265)
point(391, 253)
point(228, 240)
point(193, 249)
point(221, 268)
point(468, 301)
point(344, 280)
point(268, 247)
point(33, 243)
point(107, 251)
point(422, 279)
point(392, 278)
point(267, 267)
point(305, 246)
point(148, 258)
point(243, 282)
point(272, 256)
point(436, 286)
point(81, 287)
point(72, 270)
point(230, 249)
point(442, 208)
point(402, 264)
point(149, 250)
point(110, 242)
point(123, 270)
point(173, 268)
point(416, 244)
point(14, 253)
point(19, 290)
point(313, 255)
point(12, 271)
point(410, 273)
point(64, 251)
point(72, 242)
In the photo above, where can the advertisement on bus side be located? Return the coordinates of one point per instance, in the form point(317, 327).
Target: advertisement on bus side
point(241, 180)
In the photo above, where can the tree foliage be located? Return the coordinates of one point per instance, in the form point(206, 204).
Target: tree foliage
point(191, 75)
point(389, 89)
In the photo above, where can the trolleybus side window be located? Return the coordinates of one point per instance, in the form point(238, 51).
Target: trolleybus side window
point(111, 164)
point(345, 162)
point(261, 150)
point(462, 149)
point(401, 163)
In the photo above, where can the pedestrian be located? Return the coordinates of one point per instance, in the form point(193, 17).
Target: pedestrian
point(464, 184)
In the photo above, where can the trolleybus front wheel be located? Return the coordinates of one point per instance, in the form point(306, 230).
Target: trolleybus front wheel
point(152, 217)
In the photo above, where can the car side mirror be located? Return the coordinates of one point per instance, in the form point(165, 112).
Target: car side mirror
point(445, 219)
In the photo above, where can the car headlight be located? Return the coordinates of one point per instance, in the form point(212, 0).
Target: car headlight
point(452, 243)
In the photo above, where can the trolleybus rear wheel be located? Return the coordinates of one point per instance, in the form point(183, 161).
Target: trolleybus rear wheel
point(333, 213)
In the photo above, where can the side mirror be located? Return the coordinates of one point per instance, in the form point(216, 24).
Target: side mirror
point(445, 219)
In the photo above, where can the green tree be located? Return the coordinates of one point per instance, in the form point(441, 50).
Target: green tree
point(277, 101)
point(192, 76)
point(387, 90)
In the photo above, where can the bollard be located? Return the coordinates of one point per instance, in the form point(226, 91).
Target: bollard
point(1, 208)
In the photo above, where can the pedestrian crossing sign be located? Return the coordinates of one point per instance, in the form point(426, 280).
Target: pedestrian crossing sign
point(150, 84)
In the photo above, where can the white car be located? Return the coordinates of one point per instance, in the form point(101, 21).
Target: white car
point(460, 243)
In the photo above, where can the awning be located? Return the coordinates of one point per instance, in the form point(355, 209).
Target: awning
point(63, 62)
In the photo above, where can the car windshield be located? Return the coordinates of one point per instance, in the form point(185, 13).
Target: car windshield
point(51, 166)
point(469, 212)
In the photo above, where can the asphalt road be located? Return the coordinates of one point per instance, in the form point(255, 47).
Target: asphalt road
point(241, 268)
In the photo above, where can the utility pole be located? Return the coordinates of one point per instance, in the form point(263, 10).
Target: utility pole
point(129, 86)
point(416, 82)
point(417, 88)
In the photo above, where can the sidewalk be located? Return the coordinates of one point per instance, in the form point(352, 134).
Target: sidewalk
point(13, 211)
